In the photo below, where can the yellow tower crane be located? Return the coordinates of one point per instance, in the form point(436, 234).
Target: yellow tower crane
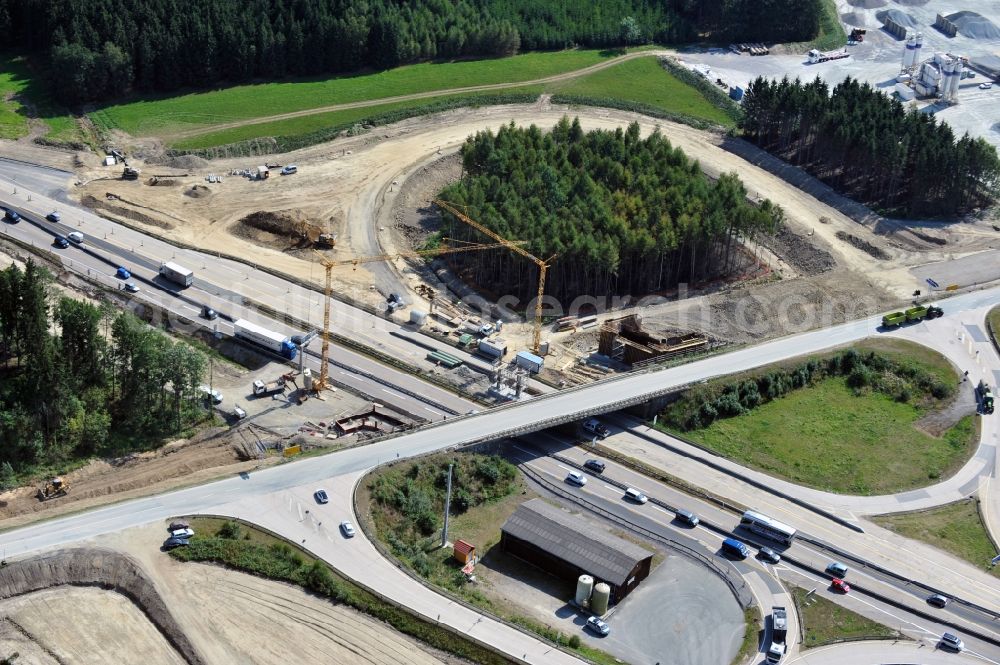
point(321, 384)
point(515, 246)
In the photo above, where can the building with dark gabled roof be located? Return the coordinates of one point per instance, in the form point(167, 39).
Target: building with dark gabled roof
point(568, 546)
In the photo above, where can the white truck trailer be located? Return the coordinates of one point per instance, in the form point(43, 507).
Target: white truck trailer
point(261, 336)
point(177, 273)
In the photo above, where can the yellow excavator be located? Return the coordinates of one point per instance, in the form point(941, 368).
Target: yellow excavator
point(54, 488)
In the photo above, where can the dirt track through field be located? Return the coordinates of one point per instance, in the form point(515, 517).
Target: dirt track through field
point(173, 136)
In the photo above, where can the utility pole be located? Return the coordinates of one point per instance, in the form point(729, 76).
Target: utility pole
point(447, 509)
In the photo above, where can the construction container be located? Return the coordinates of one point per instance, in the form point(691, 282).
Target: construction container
point(494, 348)
point(529, 361)
point(466, 339)
point(418, 317)
point(736, 93)
point(543, 347)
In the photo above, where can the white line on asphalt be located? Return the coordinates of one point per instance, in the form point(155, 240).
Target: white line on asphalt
point(662, 510)
point(564, 468)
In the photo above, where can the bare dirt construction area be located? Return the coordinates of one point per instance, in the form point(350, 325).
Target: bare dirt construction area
point(185, 462)
point(381, 184)
point(49, 628)
point(235, 618)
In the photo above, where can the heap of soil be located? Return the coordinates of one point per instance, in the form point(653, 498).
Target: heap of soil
point(974, 25)
point(284, 229)
point(800, 253)
point(900, 17)
point(163, 182)
point(912, 3)
point(198, 191)
point(186, 162)
point(95, 203)
point(864, 246)
point(98, 568)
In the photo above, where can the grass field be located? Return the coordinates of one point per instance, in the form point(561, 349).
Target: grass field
point(644, 81)
point(956, 528)
point(311, 123)
point(16, 79)
point(825, 622)
point(825, 436)
point(13, 81)
point(203, 109)
point(641, 80)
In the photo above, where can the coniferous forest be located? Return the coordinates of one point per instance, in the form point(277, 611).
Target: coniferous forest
point(868, 146)
point(626, 215)
point(99, 49)
point(76, 379)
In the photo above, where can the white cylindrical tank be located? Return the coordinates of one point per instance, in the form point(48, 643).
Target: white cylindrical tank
point(956, 76)
point(916, 49)
point(307, 379)
point(946, 75)
point(911, 44)
point(418, 317)
point(584, 586)
point(600, 600)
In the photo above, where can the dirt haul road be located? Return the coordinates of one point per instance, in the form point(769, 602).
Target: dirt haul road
point(355, 180)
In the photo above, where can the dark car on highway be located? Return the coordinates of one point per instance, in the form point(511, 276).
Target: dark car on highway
point(595, 465)
point(61, 242)
point(209, 313)
point(12, 216)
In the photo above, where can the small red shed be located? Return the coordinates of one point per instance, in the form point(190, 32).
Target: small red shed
point(464, 552)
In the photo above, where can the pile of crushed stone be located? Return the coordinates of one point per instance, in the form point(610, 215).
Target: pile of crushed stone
point(974, 25)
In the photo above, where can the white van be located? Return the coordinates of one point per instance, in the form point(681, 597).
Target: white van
point(290, 169)
point(75, 236)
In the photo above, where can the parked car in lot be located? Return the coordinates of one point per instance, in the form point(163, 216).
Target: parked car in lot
point(768, 555)
point(290, 169)
point(576, 478)
point(595, 465)
point(347, 529)
point(53, 216)
point(321, 497)
point(687, 518)
point(632, 494)
point(123, 273)
point(837, 569)
point(986, 86)
point(938, 600)
point(60, 242)
point(840, 585)
point(183, 532)
point(173, 542)
point(598, 626)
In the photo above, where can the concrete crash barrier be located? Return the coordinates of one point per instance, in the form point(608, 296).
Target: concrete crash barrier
point(104, 569)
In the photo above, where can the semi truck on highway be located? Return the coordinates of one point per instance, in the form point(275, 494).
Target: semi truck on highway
point(779, 633)
point(272, 341)
point(177, 273)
